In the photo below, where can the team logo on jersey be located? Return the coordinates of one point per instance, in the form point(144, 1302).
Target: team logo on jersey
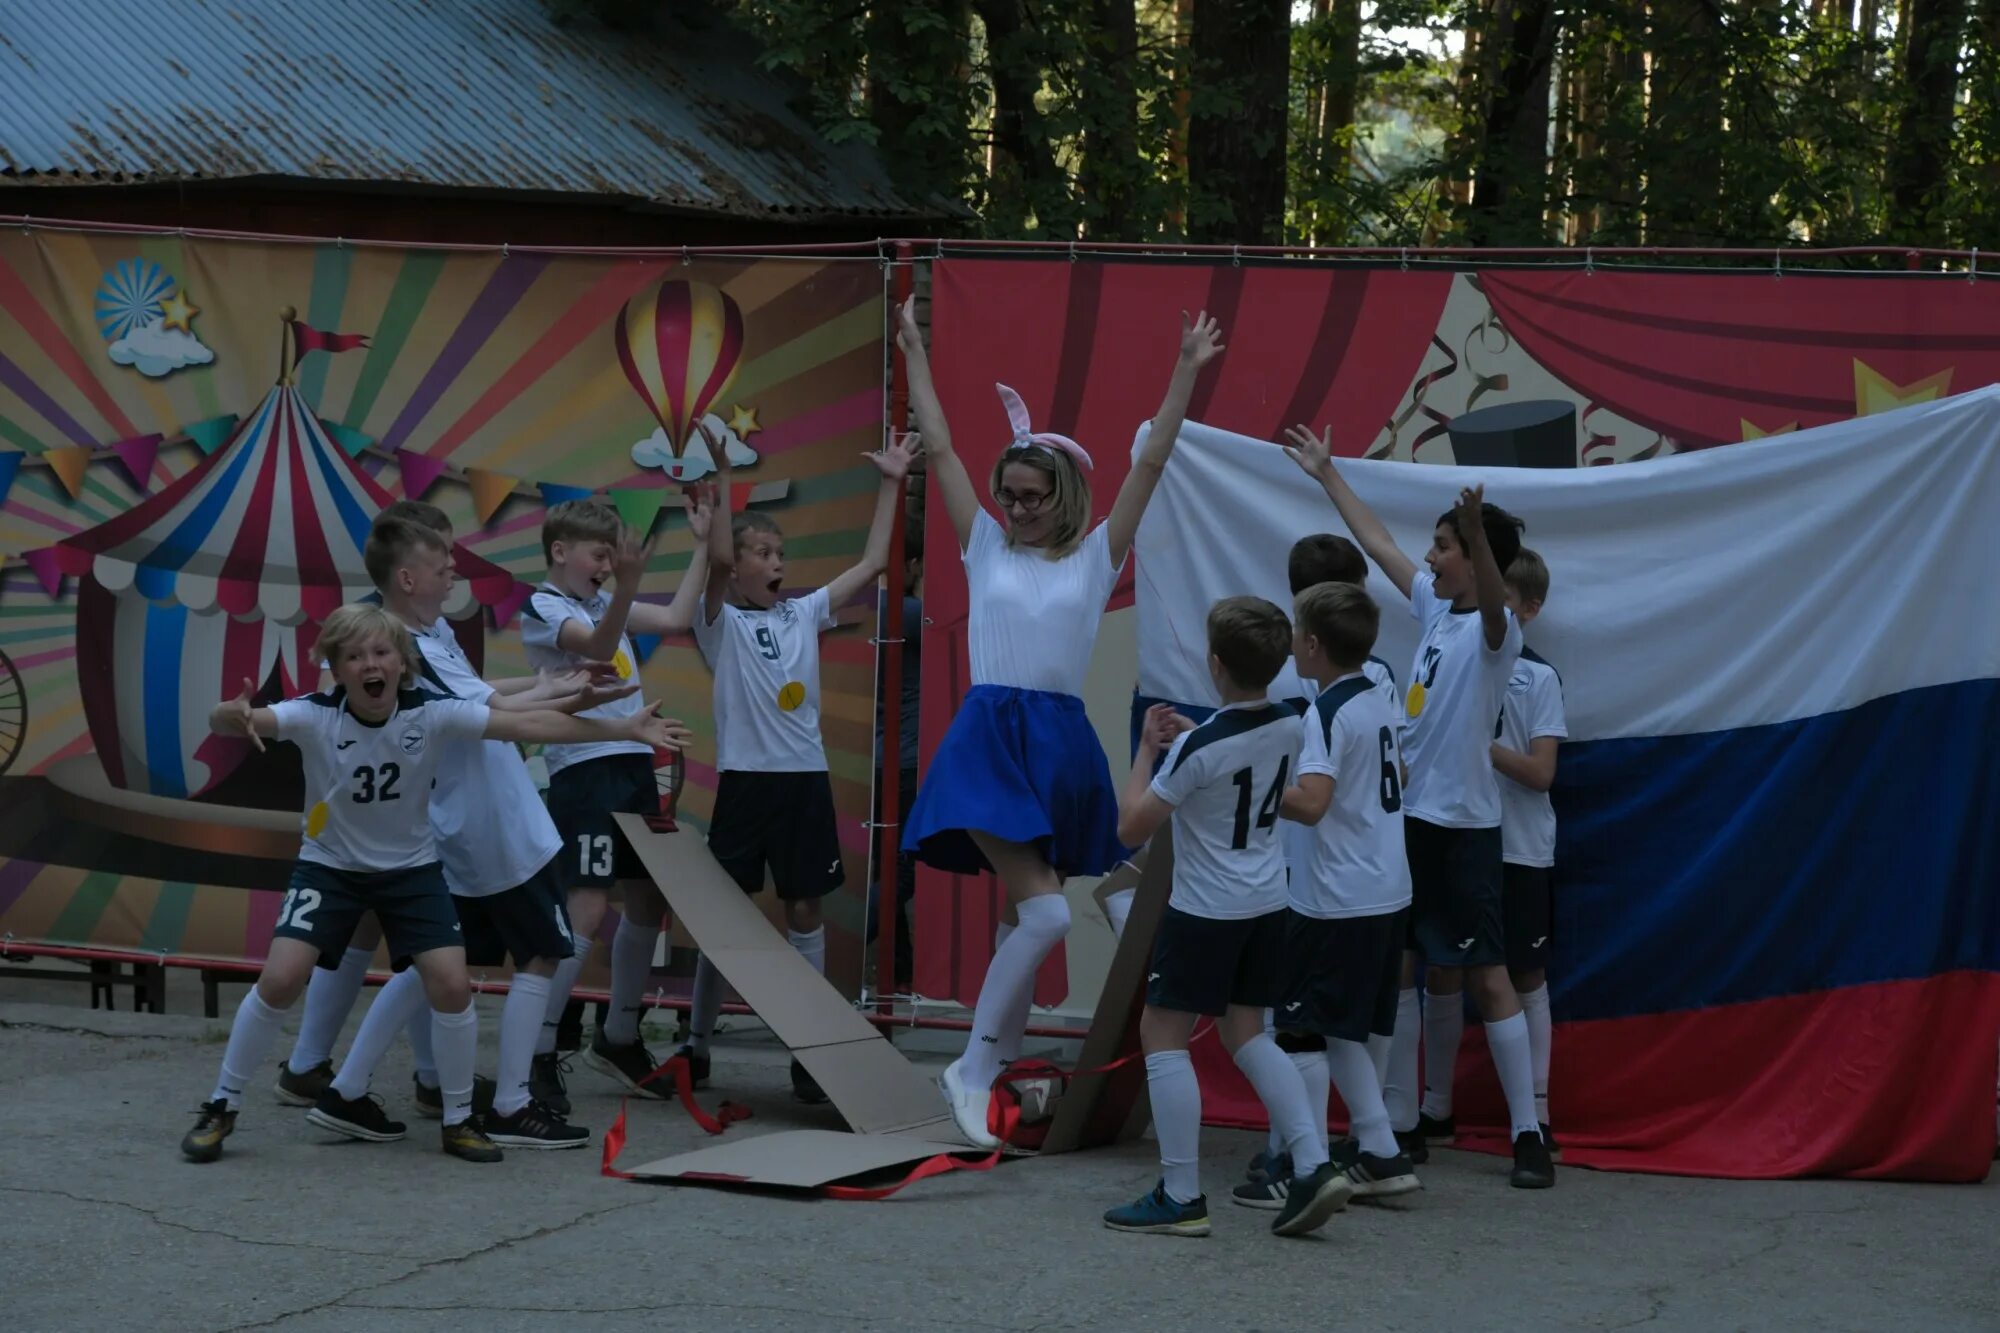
point(412, 741)
point(622, 664)
point(792, 695)
point(316, 820)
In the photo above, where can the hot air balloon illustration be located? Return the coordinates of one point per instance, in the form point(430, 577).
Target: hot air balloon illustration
point(679, 343)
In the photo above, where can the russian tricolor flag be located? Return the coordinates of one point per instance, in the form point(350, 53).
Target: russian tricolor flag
point(1778, 872)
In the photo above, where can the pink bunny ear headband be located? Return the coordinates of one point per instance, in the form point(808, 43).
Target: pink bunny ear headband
point(1026, 437)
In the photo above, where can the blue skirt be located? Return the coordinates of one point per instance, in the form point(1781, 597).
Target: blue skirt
point(1023, 765)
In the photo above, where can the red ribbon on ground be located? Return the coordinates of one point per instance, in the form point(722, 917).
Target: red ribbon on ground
point(676, 1070)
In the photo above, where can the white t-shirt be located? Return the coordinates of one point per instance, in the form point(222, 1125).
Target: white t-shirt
point(1356, 865)
point(493, 832)
point(766, 666)
point(1297, 839)
point(368, 788)
point(1456, 684)
point(1224, 780)
point(1033, 621)
point(1533, 708)
point(541, 627)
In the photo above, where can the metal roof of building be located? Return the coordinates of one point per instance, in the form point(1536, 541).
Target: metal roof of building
point(479, 94)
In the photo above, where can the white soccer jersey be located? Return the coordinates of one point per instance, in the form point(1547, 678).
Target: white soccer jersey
point(1533, 708)
point(1295, 838)
point(1033, 621)
point(1225, 779)
point(493, 832)
point(766, 666)
point(1456, 684)
point(368, 788)
point(541, 625)
point(1356, 865)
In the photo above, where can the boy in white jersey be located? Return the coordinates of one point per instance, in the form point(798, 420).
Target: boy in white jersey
point(1532, 727)
point(1451, 804)
point(371, 750)
point(773, 797)
point(569, 621)
point(1349, 896)
point(1220, 947)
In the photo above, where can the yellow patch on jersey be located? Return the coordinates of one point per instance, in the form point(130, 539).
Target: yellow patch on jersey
point(316, 820)
point(622, 665)
point(1416, 704)
point(792, 695)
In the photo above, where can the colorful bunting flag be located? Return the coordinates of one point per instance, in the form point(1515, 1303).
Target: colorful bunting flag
point(10, 464)
point(555, 493)
point(213, 433)
point(638, 508)
point(69, 462)
point(47, 572)
point(420, 472)
point(505, 608)
point(489, 490)
point(138, 455)
point(350, 440)
point(644, 644)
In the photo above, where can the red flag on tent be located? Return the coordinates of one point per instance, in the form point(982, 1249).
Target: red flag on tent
point(310, 339)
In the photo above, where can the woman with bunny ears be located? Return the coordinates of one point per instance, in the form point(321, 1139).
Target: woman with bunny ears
point(1019, 786)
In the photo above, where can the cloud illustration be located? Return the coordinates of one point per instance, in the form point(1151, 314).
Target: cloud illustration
point(154, 351)
point(694, 463)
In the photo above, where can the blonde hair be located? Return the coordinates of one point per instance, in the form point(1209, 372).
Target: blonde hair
point(1529, 577)
point(1069, 492)
point(573, 521)
point(359, 621)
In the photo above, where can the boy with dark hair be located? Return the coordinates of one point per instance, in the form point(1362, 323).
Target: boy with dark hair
point(1452, 801)
point(1349, 897)
point(1220, 948)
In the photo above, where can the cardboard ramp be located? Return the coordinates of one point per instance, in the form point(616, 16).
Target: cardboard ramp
point(800, 1159)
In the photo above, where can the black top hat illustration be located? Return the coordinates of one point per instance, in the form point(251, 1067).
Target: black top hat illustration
point(1532, 434)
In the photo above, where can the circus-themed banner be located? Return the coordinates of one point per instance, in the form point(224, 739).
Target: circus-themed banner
point(195, 435)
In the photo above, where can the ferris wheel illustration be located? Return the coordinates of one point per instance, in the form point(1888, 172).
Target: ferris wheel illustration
point(13, 712)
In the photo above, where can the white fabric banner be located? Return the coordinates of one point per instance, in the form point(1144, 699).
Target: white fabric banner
point(1748, 584)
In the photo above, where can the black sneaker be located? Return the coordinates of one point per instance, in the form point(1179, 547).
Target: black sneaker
point(546, 1084)
point(697, 1064)
point(465, 1140)
point(1270, 1192)
point(1532, 1168)
point(1312, 1201)
point(1413, 1146)
point(806, 1088)
point(430, 1100)
point(203, 1143)
point(1381, 1177)
point(533, 1126)
point(1439, 1132)
point(1555, 1149)
point(304, 1089)
point(628, 1064)
point(1267, 1166)
point(362, 1118)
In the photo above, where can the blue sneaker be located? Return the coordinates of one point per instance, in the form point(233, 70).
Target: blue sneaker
point(1158, 1214)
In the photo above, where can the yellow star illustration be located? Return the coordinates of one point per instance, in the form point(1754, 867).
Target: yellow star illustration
point(744, 422)
point(1752, 431)
point(178, 312)
point(1874, 393)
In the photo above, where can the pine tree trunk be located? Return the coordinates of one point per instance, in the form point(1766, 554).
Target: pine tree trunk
point(1019, 133)
point(1241, 54)
point(1684, 124)
point(1918, 175)
point(1511, 181)
point(1111, 168)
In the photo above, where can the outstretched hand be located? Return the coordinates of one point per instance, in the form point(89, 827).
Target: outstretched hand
point(908, 336)
point(662, 733)
point(895, 458)
point(1313, 453)
point(1470, 510)
point(699, 501)
point(629, 566)
point(239, 714)
point(1161, 727)
point(1201, 339)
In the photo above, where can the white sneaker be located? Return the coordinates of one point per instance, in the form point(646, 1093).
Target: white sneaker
point(968, 1108)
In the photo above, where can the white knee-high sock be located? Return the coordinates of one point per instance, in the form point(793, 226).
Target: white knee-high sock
point(1318, 1078)
point(1367, 1118)
point(1118, 907)
point(1274, 1142)
point(560, 985)
point(330, 998)
point(1009, 988)
point(423, 1058)
point(1014, 1032)
point(251, 1036)
point(1176, 1100)
point(457, 1039)
point(631, 965)
point(1399, 1085)
point(520, 1025)
point(1283, 1093)
point(1378, 1055)
point(1541, 1039)
point(811, 945)
point(395, 1005)
point(1444, 1028)
point(1508, 1040)
point(706, 1005)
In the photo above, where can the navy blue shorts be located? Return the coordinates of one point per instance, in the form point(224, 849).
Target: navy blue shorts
point(583, 799)
point(528, 921)
point(1202, 965)
point(1343, 975)
point(1529, 907)
point(1455, 894)
point(323, 905)
point(783, 822)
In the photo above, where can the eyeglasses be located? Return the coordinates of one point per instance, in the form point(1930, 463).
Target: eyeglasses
point(1028, 502)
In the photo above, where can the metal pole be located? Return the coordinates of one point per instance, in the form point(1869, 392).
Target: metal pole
point(889, 633)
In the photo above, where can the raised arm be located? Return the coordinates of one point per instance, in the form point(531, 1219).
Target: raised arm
point(1201, 343)
point(961, 500)
point(239, 717)
point(721, 538)
point(546, 728)
point(600, 643)
point(893, 462)
point(1314, 455)
point(1486, 580)
point(677, 616)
